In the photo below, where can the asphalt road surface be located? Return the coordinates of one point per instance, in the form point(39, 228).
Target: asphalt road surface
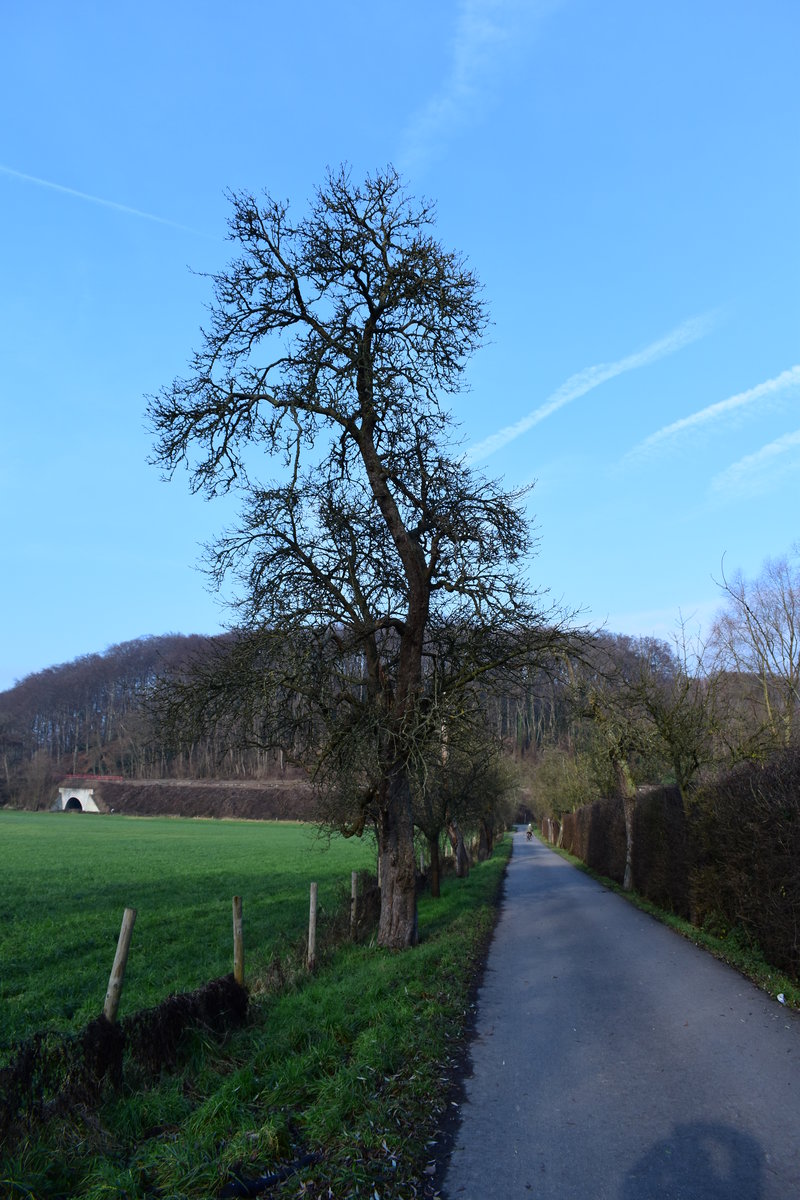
point(613, 1060)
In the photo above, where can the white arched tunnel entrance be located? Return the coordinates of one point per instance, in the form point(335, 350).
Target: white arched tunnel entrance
point(76, 799)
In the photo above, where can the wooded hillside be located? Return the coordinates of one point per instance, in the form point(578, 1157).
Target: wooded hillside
point(89, 717)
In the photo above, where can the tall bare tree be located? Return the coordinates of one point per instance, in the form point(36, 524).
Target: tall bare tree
point(756, 637)
point(332, 342)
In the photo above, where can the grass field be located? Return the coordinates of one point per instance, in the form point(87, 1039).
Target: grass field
point(66, 878)
point(343, 1075)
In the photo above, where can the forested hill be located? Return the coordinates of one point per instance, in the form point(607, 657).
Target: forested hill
point(87, 716)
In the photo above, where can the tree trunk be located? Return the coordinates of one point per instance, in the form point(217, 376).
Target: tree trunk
point(397, 927)
point(628, 792)
point(459, 849)
point(628, 803)
point(485, 839)
point(434, 870)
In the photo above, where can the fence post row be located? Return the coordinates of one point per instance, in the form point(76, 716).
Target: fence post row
point(117, 976)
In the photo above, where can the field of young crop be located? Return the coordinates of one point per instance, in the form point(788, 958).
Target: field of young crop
point(66, 878)
point(338, 1082)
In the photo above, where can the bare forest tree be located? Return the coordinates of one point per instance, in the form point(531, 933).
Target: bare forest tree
point(464, 782)
point(756, 640)
point(332, 342)
point(653, 711)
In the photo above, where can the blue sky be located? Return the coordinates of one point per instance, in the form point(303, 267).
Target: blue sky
point(624, 178)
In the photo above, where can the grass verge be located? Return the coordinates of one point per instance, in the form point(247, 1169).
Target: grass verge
point(734, 947)
point(338, 1085)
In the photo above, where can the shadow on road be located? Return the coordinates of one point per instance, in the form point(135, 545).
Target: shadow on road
point(698, 1162)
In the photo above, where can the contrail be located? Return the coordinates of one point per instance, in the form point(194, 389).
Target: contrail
point(767, 390)
point(487, 33)
point(757, 472)
point(68, 191)
point(591, 377)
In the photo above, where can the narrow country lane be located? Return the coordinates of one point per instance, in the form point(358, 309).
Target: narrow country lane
point(613, 1060)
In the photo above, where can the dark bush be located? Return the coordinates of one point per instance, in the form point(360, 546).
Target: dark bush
point(49, 1072)
point(728, 861)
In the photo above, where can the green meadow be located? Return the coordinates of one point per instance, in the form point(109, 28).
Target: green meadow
point(339, 1084)
point(66, 878)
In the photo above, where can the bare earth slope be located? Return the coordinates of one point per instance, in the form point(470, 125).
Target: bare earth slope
point(265, 800)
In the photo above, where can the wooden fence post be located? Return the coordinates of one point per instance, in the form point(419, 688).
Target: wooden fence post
point(312, 929)
point(238, 942)
point(118, 970)
point(353, 904)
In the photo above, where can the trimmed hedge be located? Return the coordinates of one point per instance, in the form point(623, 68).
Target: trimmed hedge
point(596, 834)
point(662, 850)
point(747, 869)
point(728, 859)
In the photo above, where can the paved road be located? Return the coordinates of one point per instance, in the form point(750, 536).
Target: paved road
point(613, 1060)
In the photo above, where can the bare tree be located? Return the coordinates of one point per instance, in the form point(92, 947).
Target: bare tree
point(331, 344)
point(673, 693)
point(654, 712)
point(756, 637)
point(464, 783)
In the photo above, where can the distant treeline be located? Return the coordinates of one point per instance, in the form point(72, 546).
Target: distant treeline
point(93, 716)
